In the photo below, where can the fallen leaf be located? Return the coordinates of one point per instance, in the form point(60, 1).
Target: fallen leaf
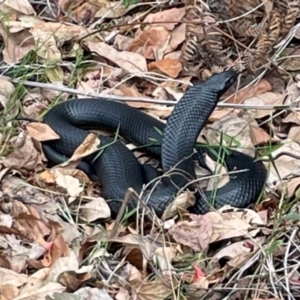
point(169, 67)
point(268, 98)
point(177, 38)
point(258, 89)
point(71, 184)
point(93, 293)
point(233, 131)
point(41, 132)
point(292, 117)
point(127, 60)
point(94, 210)
point(202, 230)
point(236, 254)
point(258, 135)
point(12, 278)
point(25, 156)
point(172, 15)
point(145, 290)
point(149, 41)
point(15, 48)
point(41, 293)
point(292, 93)
point(24, 7)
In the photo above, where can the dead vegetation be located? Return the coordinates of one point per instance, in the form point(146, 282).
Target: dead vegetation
point(57, 237)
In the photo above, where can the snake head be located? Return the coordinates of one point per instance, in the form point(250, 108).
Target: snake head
point(221, 82)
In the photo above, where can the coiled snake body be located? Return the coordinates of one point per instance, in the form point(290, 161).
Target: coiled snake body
point(118, 169)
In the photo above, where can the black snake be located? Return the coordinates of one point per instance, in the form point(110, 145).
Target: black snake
point(118, 169)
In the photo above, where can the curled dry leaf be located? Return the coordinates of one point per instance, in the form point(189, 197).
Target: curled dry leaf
point(41, 132)
point(167, 66)
point(127, 60)
point(94, 210)
point(88, 146)
point(72, 185)
point(149, 41)
point(202, 230)
point(25, 155)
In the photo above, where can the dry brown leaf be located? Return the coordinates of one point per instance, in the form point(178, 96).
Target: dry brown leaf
point(129, 61)
point(258, 135)
point(292, 117)
point(214, 226)
point(25, 155)
point(260, 88)
point(48, 289)
point(87, 147)
point(218, 114)
point(12, 278)
point(294, 134)
point(9, 292)
point(182, 201)
point(122, 42)
point(72, 185)
point(198, 289)
point(291, 188)
point(268, 98)
point(94, 210)
point(236, 254)
point(150, 42)
point(41, 132)
point(35, 281)
point(232, 130)
point(15, 48)
point(163, 256)
point(28, 222)
point(177, 37)
point(24, 7)
point(172, 15)
point(122, 294)
point(292, 92)
point(93, 293)
point(169, 67)
point(145, 290)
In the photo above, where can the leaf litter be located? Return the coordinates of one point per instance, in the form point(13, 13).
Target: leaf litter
point(57, 237)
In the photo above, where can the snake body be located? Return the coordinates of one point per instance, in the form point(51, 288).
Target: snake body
point(118, 169)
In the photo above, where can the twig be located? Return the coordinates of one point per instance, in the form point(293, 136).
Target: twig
point(65, 89)
point(125, 201)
